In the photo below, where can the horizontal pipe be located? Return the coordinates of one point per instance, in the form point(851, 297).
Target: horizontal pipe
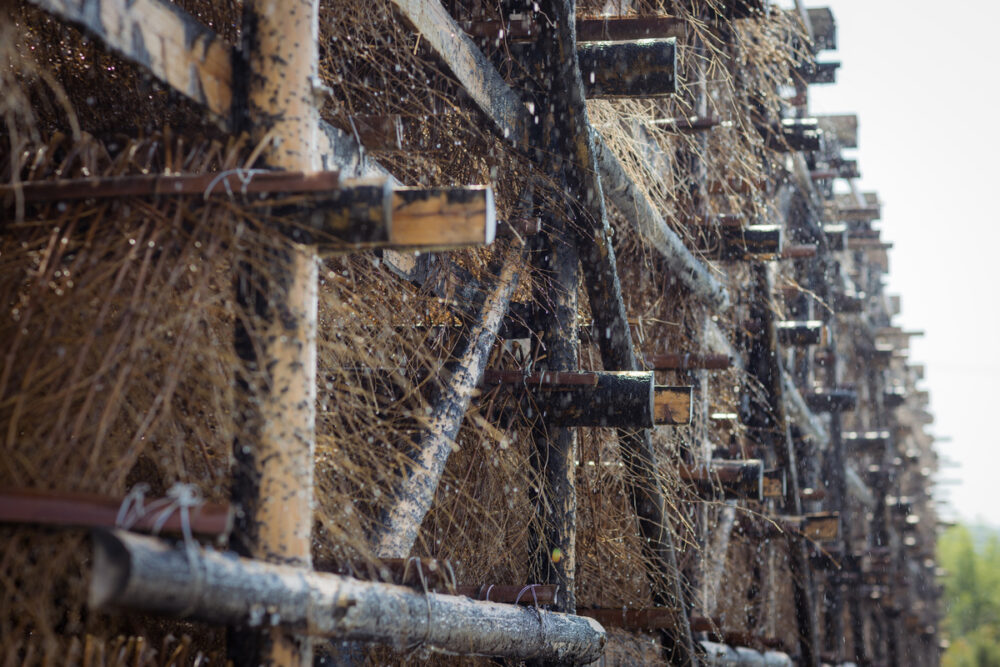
point(146, 574)
point(85, 510)
point(651, 618)
point(688, 361)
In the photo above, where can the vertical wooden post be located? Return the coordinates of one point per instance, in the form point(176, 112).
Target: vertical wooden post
point(765, 365)
point(556, 447)
point(274, 452)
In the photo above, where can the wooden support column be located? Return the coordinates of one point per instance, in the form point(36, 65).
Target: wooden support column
point(773, 426)
point(412, 500)
point(555, 450)
point(597, 257)
point(277, 289)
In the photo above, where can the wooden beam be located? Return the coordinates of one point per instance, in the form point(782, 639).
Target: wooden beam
point(760, 242)
point(619, 399)
point(640, 68)
point(794, 134)
point(818, 72)
point(86, 510)
point(337, 215)
point(832, 400)
point(585, 184)
point(635, 205)
point(867, 440)
point(802, 333)
point(145, 574)
point(836, 236)
point(776, 484)
point(400, 526)
point(174, 46)
point(736, 479)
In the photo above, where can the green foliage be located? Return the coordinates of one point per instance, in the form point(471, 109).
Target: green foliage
point(971, 557)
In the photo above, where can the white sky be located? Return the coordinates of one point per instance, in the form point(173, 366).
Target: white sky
point(923, 79)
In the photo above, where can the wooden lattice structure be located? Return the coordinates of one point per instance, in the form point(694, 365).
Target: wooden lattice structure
point(519, 331)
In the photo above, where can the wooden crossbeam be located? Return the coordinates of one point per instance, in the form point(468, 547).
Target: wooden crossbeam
point(832, 400)
point(894, 397)
point(854, 243)
point(802, 333)
point(793, 134)
point(873, 440)
point(848, 302)
point(625, 399)
point(735, 478)
point(173, 45)
point(759, 242)
point(859, 214)
point(639, 68)
point(339, 215)
point(85, 510)
point(818, 72)
point(414, 494)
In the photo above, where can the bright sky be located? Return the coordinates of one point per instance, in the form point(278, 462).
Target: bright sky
point(923, 79)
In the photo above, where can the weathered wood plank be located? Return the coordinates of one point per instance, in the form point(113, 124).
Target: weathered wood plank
point(173, 45)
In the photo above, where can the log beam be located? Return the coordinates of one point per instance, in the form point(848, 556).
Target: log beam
point(761, 242)
point(174, 46)
point(146, 574)
point(639, 68)
point(736, 479)
point(832, 400)
point(613, 399)
point(802, 333)
point(337, 215)
point(412, 500)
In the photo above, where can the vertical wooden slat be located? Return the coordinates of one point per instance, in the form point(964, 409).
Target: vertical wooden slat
point(273, 478)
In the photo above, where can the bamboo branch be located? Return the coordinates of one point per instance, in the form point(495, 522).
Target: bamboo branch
point(146, 574)
point(413, 498)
